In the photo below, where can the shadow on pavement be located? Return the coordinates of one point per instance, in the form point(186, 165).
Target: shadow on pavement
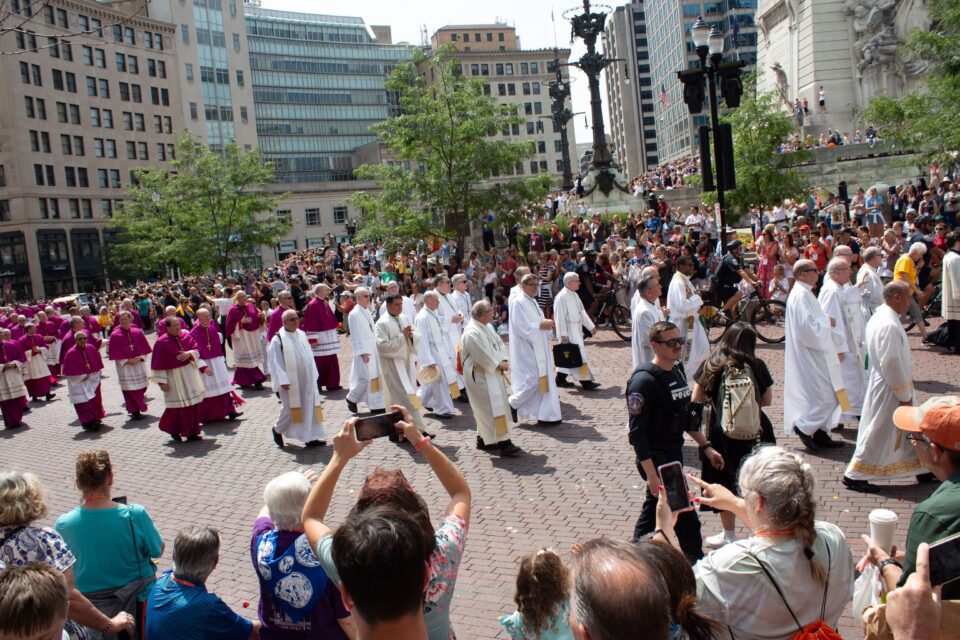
point(528, 464)
point(191, 449)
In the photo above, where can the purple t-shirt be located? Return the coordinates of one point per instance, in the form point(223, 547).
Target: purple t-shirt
point(321, 624)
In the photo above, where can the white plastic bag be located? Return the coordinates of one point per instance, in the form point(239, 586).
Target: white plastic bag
point(867, 590)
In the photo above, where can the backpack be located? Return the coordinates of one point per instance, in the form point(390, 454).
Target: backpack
point(738, 403)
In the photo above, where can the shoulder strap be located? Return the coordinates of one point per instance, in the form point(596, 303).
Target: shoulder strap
point(826, 588)
point(133, 539)
point(779, 592)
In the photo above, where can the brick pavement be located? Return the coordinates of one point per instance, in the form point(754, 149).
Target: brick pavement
point(577, 480)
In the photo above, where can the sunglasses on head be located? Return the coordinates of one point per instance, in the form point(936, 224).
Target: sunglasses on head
point(673, 343)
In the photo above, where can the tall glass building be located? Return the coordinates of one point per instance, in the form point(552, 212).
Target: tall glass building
point(671, 49)
point(318, 85)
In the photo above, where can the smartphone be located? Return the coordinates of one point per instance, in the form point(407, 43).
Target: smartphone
point(378, 426)
point(945, 560)
point(120, 499)
point(675, 484)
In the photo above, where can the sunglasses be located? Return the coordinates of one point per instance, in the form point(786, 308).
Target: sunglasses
point(673, 343)
point(918, 437)
point(803, 271)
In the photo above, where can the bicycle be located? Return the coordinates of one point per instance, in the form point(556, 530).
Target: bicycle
point(613, 315)
point(767, 317)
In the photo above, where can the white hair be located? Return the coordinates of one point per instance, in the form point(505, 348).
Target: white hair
point(459, 278)
point(569, 277)
point(285, 496)
point(835, 265)
point(430, 295)
point(918, 247)
point(289, 313)
point(359, 290)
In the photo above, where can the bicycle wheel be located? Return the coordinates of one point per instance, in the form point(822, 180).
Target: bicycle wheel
point(907, 321)
point(715, 324)
point(621, 322)
point(768, 319)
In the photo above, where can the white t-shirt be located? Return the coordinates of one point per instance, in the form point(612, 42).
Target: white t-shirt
point(734, 590)
point(223, 306)
point(695, 221)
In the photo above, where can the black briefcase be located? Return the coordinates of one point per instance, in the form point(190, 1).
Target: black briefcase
point(567, 355)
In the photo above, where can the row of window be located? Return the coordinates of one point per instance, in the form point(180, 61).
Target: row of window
point(210, 37)
point(78, 208)
point(505, 69)
point(454, 37)
point(312, 216)
point(216, 113)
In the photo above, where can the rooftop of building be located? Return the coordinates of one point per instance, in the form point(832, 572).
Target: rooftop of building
point(296, 16)
point(489, 25)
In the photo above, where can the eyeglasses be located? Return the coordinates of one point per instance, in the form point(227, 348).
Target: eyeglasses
point(673, 343)
point(919, 437)
point(800, 272)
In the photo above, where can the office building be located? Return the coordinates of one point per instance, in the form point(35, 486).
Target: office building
point(518, 77)
point(671, 49)
point(318, 86)
point(630, 94)
point(96, 95)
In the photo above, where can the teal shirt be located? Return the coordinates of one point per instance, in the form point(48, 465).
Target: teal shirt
point(107, 556)
point(935, 518)
point(558, 628)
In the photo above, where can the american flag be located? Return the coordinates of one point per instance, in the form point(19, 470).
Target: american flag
point(664, 98)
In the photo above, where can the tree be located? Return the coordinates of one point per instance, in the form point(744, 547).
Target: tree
point(446, 138)
point(201, 215)
point(926, 122)
point(764, 176)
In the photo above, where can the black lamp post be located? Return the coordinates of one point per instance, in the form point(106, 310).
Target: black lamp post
point(560, 115)
point(709, 41)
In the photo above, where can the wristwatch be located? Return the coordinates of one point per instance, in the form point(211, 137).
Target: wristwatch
point(889, 561)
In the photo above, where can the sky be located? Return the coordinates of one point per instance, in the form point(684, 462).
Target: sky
point(530, 17)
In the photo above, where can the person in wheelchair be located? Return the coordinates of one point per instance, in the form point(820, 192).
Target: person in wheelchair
point(729, 274)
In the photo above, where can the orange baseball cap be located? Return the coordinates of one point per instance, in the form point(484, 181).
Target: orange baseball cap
point(938, 419)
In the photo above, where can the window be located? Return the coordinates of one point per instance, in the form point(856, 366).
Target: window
point(534, 68)
point(284, 215)
point(111, 148)
point(70, 175)
point(52, 46)
point(243, 115)
point(131, 150)
point(515, 129)
point(108, 118)
point(541, 146)
point(161, 152)
point(167, 124)
point(104, 88)
point(87, 208)
point(185, 33)
point(48, 15)
point(94, 117)
point(526, 88)
point(4, 211)
point(100, 58)
point(534, 167)
point(135, 92)
point(538, 108)
point(66, 50)
point(544, 166)
point(51, 180)
point(484, 69)
point(148, 39)
point(129, 35)
point(74, 114)
point(193, 110)
point(96, 23)
point(62, 19)
point(530, 128)
point(233, 7)
point(24, 73)
point(98, 147)
point(66, 145)
point(489, 37)
point(313, 217)
point(499, 68)
point(500, 37)
point(162, 68)
point(117, 33)
point(501, 89)
point(124, 92)
point(82, 179)
point(138, 121)
point(106, 208)
point(236, 42)
point(28, 101)
point(223, 76)
point(3, 176)
point(155, 95)
point(78, 147)
point(511, 89)
point(115, 178)
point(71, 82)
point(132, 65)
point(91, 86)
point(536, 88)
point(57, 79)
point(121, 62)
point(454, 37)
point(239, 77)
point(127, 118)
point(339, 215)
point(102, 178)
point(86, 54)
point(528, 108)
point(62, 112)
point(41, 108)
point(524, 68)
point(34, 141)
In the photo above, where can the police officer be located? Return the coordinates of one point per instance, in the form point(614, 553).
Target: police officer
point(658, 400)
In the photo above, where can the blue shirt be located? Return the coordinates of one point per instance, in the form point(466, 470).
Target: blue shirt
point(180, 610)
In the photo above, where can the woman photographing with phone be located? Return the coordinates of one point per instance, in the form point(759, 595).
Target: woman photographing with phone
point(390, 487)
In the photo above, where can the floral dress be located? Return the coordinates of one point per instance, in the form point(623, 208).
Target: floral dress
point(443, 566)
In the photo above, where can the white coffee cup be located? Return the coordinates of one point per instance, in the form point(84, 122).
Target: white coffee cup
point(883, 524)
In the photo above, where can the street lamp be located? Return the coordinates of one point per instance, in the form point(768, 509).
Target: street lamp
point(708, 41)
point(560, 115)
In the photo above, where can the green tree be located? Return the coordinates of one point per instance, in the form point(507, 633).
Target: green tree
point(201, 215)
point(448, 134)
point(764, 177)
point(926, 122)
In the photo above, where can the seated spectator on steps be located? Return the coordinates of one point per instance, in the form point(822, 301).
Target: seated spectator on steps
point(280, 550)
point(389, 487)
point(180, 605)
point(114, 543)
point(617, 593)
point(33, 603)
point(22, 503)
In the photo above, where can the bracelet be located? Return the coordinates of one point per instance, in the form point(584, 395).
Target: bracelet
point(420, 445)
point(888, 561)
point(106, 629)
point(706, 445)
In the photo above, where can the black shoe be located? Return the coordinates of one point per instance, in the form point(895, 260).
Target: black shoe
point(176, 438)
point(34, 399)
point(589, 385)
point(337, 388)
point(352, 407)
point(548, 423)
point(377, 412)
point(443, 416)
point(136, 415)
point(26, 410)
point(513, 414)
point(277, 438)
point(927, 478)
point(51, 396)
point(807, 441)
point(824, 441)
point(258, 386)
point(861, 486)
point(196, 438)
point(463, 396)
point(13, 426)
point(562, 381)
point(510, 450)
point(837, 429)
point(233, 415)
point(481, 445)
point(315, 443)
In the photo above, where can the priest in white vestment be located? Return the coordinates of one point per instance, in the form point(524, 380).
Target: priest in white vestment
point(453, 320)
point(409, 308)
point(461, 300)
point(365, 368)
point(571, 319)
point(293, 374)
point(872, 289)
point(437, 355)
point(645, 273)
point(950, 293)
point(813, 381)
point(684, 304)
point(485, 366)
point(842, 301)
point(535, 394)
point(646, 313)
point(882, 452)
point(397, 342)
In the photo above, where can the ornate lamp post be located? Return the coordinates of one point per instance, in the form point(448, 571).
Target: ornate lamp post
point(560, 115)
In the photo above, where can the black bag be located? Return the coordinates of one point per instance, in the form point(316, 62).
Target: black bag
point(566, 355)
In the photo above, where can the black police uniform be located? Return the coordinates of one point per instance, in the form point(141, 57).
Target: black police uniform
point(728, 276)
point(658, 402)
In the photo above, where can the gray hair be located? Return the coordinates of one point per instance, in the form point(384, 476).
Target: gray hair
point(519, 272)
point(616, 589)
point(431, 295)
point(285, 496)
point(870, 253)
point(126, 314)
point(569, 276)
point(284, 293)
point(196, 550)
point(289, 313)
point(786, 484)
point(646, 282)
point(360, 290)
point(918, 247)
point(75, 319)
point(320, 287)
point(530, 277)
point(459, 278)
point(836, 264)
point(479, 308)
point(895, 288)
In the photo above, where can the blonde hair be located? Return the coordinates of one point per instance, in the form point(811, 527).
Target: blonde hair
point(21, 498)
point(786, 485)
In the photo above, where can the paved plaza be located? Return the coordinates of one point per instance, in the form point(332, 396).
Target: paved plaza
point(576, 481)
